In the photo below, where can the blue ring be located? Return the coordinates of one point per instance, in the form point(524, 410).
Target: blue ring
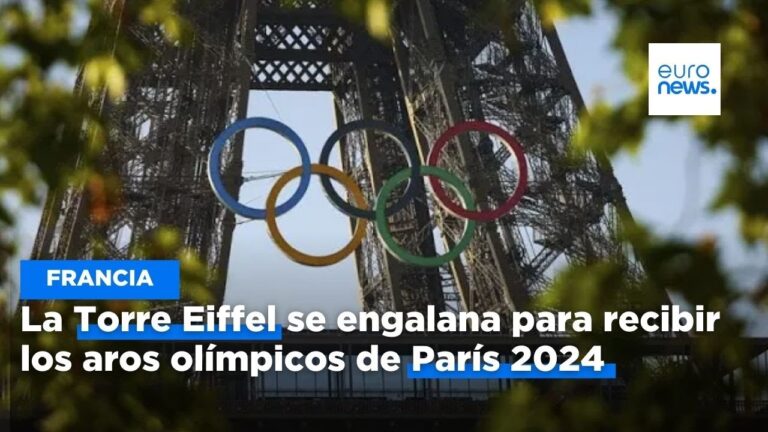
point(214, 166)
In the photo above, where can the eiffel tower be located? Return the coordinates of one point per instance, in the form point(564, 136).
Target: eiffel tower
point(441, 65)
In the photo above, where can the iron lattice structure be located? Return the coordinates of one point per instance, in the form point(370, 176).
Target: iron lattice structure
point(442, 66)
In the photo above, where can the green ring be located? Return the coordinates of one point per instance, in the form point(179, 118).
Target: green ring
point(382, 225)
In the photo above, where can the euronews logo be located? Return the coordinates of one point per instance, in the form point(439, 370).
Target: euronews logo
point(684, 79)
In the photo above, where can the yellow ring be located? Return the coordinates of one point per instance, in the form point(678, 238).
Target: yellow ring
point(295, 254)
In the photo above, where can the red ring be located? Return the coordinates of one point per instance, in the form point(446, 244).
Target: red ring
point(512, 144)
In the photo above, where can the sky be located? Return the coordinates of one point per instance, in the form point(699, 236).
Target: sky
point(668, 184)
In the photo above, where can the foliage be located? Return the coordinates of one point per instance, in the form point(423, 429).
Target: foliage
point(740, 26)
point(41, 120)
point(43, 123)
point(116, 400)
point(692, 394)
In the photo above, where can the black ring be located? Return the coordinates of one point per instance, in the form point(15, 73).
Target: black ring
point(405, 145)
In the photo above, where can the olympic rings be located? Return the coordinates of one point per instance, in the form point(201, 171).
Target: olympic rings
point(402, 253)
point(214, 166)
point(295, 254)
point(512, 145)
point(380, 213)
point(405, 145)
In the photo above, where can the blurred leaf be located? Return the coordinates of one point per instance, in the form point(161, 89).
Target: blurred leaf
point(377, 18)
point(105, 72)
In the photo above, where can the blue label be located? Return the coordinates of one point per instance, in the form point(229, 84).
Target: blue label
point(176, 333)
point(100, 280)
point(505, 371)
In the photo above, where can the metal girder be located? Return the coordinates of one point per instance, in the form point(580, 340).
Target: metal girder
point(158, 148)
point(371, 92)
point(441, 68)
point(295, 49)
